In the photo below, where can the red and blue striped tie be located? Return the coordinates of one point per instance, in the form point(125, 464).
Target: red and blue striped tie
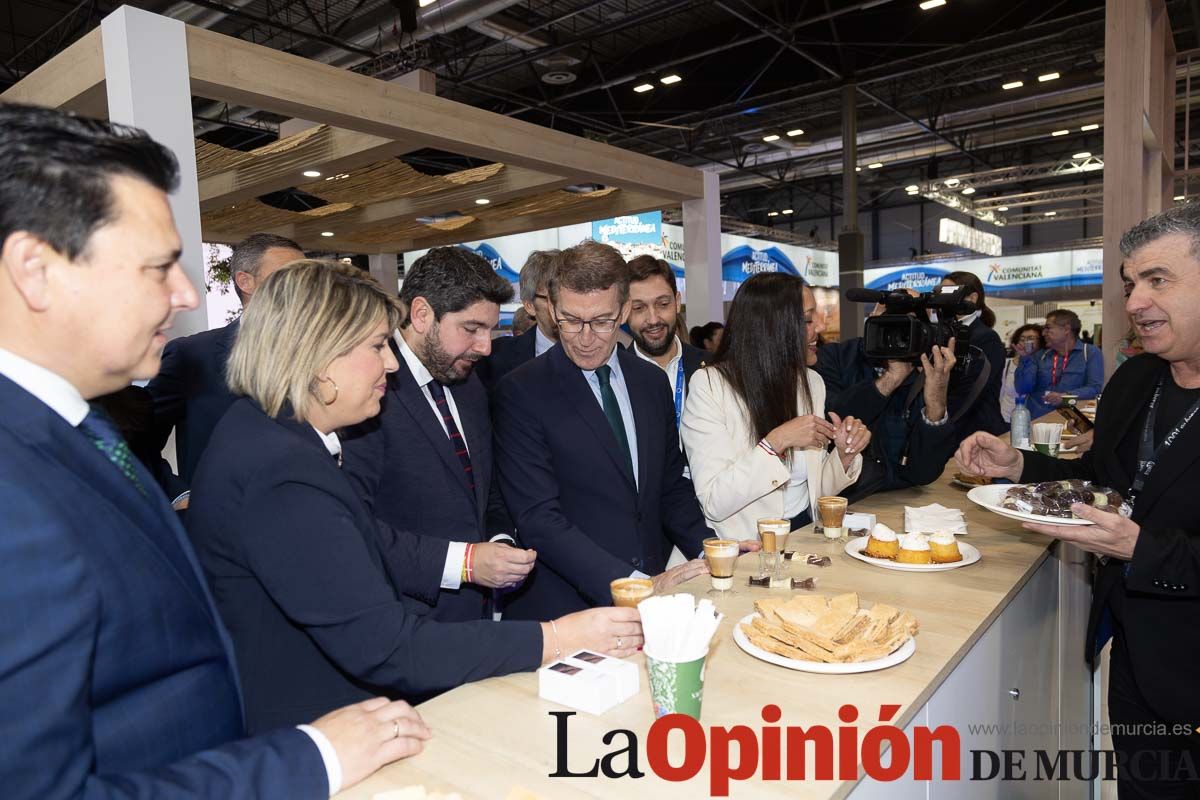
point(456, 440)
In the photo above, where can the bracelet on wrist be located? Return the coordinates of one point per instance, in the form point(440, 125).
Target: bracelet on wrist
point(557, 649)
point(468, 573)
point(945, 418)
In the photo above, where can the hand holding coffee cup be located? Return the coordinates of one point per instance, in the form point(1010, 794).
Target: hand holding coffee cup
point(628, 592)
point(832, 511)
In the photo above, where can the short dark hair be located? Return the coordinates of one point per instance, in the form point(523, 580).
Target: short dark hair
point(536, 272)
point(645, 267)
point(974, 285)
point(247, 255)
point(56, 170)
point(1028, 326)
point(1069, 317)
point(450, 279)
point(590, 267)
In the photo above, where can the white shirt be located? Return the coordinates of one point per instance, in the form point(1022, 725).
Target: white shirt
point(672, 369)
point(541, 342)
point(65, 400)
point(970, 318)
point(456, 552)
point(616, 380)
point(795, 494)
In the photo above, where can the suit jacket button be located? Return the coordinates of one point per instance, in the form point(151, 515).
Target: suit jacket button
point(635, 561)
point(774, 483)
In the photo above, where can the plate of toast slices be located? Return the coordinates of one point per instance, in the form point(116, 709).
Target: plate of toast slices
point(830, 635)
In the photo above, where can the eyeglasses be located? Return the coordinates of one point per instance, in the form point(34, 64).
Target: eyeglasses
point(598, 326)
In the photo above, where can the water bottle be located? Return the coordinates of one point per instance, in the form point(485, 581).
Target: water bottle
point(1021, 425)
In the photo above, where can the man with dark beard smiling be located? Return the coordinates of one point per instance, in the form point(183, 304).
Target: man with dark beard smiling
point(424, 465)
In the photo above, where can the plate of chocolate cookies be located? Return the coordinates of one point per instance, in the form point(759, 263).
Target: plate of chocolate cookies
point(1049, 502)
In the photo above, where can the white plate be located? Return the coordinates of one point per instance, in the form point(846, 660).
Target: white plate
point(964, 484)
point(854, 549)
point(990, 497)
point(900, 655)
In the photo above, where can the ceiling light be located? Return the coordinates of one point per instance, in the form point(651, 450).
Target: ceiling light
point(772, 213)
point(969, 190)
point(667, 80)
point(1180, 197)
point(1091, 127)
point(327, 233)
point(423, 3)
point(1002, 208)
point(771, 137)
point(787, 211)
point(311, 173)
point(796, 132)
point(1063, 132)
point(928, 4)
point(1084, 154)
point(1049, 76)
point(1051, 213)
point(1012, 85)
point(952, 181)
point(876, 165)
point(643, 87)
point(858, 169)
point(912, 188)
point(914, 192)
point(482, 201)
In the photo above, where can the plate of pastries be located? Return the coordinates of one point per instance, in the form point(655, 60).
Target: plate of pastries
point(936, 551)
point(1049, 502)
point(830, 635)
point(966, 481)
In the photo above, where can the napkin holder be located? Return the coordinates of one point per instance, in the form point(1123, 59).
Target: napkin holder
point(588, 682)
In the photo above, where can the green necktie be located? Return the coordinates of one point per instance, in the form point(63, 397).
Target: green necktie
point(102, 433)
point(613, 411)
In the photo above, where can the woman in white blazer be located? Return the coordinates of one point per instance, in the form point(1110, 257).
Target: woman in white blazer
point(754, 422)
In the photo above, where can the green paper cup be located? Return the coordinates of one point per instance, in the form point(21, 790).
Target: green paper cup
point(677, 687)
point(1047, 448)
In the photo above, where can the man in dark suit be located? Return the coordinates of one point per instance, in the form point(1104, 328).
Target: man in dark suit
point(510, 352)
point(190, 395)
point(425, 463)
point(589, 454)
point(1147, 446)
point(116, 675)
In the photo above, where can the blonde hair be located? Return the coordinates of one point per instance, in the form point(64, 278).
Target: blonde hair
point(303, 317)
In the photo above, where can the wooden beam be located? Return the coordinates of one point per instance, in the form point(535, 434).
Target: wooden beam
point(73, 80)
point(333, 150)
point(231, 70)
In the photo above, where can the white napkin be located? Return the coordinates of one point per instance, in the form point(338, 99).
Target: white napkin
point(676, 627)
point(934, 518)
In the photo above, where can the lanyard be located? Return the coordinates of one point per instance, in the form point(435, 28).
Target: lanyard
point(1148, 454)
point(679, 392)
point(1054, 376)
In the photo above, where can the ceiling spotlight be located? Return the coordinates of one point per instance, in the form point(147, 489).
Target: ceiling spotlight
point(311, 173)
point(1084, 154)
point(1051, 213)
point(969, 190)
point(912, 188)
point(796, 132)
point(1002, 208)
point(1091, 127)
point(875, 165)
point(787, 211)
point(423, 3)
point(858, 169)
point(1180, 197)
point(928, 4)
point(1049, 76)
point(643, 87)
point(667, 80)
point(1063, 132)
point(482, 201)
point(771, 137)
point(1012, 85)
point(327, 233)
point(952, 181)
point(772, 213)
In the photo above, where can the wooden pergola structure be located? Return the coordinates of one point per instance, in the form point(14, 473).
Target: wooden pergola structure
point(142, 69)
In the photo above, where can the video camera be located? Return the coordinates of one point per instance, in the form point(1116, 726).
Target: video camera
point(911, 326)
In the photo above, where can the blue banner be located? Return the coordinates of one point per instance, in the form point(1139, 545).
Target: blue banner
point(743, 261)
point(496, 260)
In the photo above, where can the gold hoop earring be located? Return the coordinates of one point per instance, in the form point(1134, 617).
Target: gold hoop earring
point(335, 391)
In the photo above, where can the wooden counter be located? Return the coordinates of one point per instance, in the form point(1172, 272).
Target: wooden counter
point(496, 734)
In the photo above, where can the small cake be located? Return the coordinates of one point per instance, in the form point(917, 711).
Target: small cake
point(943, 548)
point(914, 549)
point(882, 543)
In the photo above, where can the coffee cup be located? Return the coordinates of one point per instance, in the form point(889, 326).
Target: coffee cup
point(722, 556)
point(628, 592)
point(832, 511)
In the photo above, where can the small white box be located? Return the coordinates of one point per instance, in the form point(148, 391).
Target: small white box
point(588, 682)
point(858, 520)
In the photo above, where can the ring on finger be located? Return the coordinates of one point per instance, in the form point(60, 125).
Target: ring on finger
point(620, 639)
point(395, 729)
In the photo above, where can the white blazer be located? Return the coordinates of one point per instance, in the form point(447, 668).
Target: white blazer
point(737, 482)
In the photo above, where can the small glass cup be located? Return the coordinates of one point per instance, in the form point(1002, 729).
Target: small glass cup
point(832, 511)
point(772, 535)
point(721, 556)
point(628, 592)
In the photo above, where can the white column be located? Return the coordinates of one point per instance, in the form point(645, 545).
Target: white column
point(702, 254)
point(146, 77)
point(384, 269)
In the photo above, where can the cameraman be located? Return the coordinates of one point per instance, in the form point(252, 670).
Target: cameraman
point(977, 408)
point(905, 408)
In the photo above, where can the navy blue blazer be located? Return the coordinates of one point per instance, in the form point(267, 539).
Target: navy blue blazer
point(309, 583)
point(567, 489)
point(116, 677)
point(190, 393)
point(984, 413)
point(406, 471)
point(508, 353)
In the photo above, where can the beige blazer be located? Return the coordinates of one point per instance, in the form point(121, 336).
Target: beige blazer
point(737, 481)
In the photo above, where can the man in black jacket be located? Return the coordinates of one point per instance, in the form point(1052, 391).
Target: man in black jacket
point(1147, 442)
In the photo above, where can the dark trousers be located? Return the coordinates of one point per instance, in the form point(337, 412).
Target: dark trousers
point(1157, 766)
